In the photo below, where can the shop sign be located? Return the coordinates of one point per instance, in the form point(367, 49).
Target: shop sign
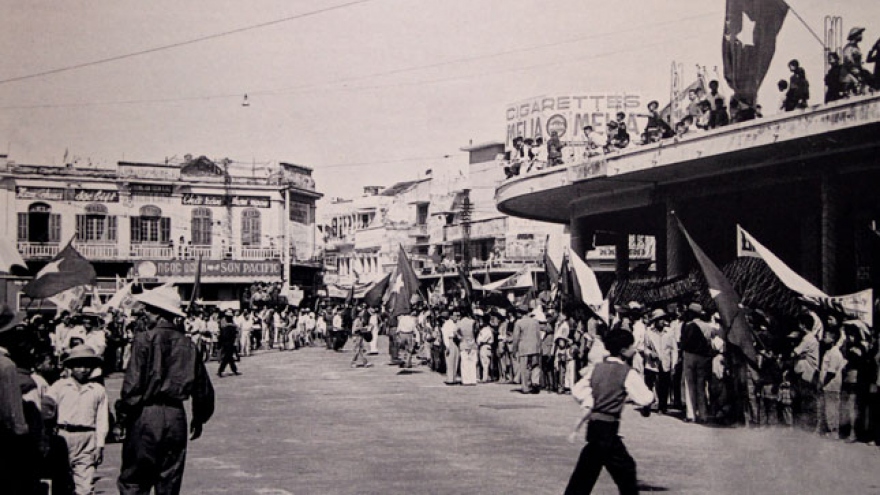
point(252, 201)
point(567, 114)
point(195, 199)
point(60, 194)
point(96, 195)
point(190, 199)
point(301, 212)
point(210, 269)
point(44, 193)
point(151, 189)
point(147, 171)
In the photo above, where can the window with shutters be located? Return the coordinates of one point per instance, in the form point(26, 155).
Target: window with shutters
point(55, 227)
point(201, 226)
point(22, 227)
point(96, 228)
point(250, 227)
point(39, 224)
point(150, 227)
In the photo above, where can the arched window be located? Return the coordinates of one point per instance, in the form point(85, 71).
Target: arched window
point(96, 225)
point(96, 209)
point(39, 224)
point(150, 211)
point(250, 227)
point(201, 226)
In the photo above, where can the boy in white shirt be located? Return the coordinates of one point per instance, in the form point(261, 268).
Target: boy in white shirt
point(83, 416)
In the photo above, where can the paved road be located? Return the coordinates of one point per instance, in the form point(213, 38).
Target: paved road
point(304, 422)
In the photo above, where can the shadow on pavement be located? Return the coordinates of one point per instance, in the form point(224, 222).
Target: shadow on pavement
point(644, 487)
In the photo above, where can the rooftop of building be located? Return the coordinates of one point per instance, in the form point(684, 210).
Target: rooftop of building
point(198, 169)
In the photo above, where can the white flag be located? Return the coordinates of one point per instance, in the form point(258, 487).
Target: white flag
point(591, 294)
point(749, 246)
point(122, 300)
point(70, 300)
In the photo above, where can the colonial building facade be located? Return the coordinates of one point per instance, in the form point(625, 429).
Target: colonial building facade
point(155, 221)
point(443, 219)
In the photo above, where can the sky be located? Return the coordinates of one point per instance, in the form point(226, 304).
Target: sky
point(365, 92)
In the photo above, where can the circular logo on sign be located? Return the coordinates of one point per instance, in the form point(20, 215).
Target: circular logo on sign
point(146, 269)
point(557, 123)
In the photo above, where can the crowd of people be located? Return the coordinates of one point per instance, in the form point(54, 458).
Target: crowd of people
point(820, 374)
point(846, 77)
point(55, 416)
point(819, 371)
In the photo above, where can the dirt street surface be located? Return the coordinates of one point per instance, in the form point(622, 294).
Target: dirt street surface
point(304, 422)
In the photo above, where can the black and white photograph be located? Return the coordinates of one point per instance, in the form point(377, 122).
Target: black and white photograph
point(439, 247)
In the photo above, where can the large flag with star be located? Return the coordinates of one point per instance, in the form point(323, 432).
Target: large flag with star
point(402, 287)
point(67, 269)
point(734, 326)
point(749, 43)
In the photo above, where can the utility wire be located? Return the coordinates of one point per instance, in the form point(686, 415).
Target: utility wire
point(639, 29)
point(311, 88)
point(181, 43)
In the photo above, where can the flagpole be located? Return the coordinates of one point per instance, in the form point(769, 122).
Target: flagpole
point(821, 42)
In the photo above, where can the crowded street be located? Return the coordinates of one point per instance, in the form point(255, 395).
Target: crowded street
point(305, 422)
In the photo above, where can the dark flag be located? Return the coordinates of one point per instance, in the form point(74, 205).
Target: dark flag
point(465, 285)
point(402, 287)
point(197, 285)
point(349, 299)
point(564, 278)
point(749, 43)
point(373, 296)
point(550, 270)
point(67, 269)
point(735, 328)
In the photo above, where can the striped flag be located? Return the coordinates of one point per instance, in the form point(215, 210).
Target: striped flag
point(735, 327)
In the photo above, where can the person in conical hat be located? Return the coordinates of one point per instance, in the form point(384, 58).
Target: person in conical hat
point(151, 403)
point(165, 299)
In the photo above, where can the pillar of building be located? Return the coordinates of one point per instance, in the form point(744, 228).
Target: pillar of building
point(581, 237)
point(621, 256)
point(828, 245)
point(674, 245)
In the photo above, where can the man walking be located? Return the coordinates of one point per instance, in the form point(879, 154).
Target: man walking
point(164, 371)
point(228, 336)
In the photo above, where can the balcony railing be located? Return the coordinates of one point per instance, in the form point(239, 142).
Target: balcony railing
point(98, 251)
point(120, 252)
point(258, 253)
point(38, 250)
point(151, 252)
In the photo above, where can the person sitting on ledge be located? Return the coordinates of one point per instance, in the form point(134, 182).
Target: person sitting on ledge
point(656, 128)
point(517, 155)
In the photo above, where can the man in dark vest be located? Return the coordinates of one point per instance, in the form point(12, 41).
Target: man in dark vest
point(602, 394)
point(164, 371)
point(697, 350)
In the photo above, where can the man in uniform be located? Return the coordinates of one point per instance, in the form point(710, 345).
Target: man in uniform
point(164, 371)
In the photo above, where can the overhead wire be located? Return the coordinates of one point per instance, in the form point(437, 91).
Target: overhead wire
point(324, 86)
point(181, 43)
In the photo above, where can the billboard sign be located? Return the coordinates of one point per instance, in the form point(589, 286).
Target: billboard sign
point(568, 113)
